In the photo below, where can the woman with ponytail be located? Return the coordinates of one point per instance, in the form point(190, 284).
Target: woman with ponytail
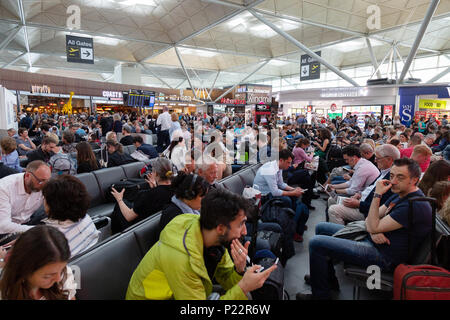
point(148, 202)
point(176, 152)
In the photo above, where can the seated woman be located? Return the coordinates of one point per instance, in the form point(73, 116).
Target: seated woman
point(66, 202)
point(148, 202)
point(441, 191)
point(85, 158)
point(189, 191)
point(176, 152)
point(9, 155)
point(116, 157)
point(36, 268)
point(437, 171)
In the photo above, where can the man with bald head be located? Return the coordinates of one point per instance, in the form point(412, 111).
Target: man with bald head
point(21, 196)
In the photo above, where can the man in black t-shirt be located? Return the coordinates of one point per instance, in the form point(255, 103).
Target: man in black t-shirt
point(127, 139)
point(387, 243)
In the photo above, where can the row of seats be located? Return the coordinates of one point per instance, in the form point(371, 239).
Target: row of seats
point(98, 182)
point(106, 269)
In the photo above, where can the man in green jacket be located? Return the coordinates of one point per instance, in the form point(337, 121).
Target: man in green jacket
point(191, 252)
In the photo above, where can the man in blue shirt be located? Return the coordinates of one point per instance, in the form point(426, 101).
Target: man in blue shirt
point(387, 243)
point(144, 147)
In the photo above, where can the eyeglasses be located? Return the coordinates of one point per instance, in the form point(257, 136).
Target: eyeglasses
point(39, 180)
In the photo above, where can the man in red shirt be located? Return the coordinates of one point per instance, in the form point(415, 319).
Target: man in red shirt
point(422, 154)
point(413, 141)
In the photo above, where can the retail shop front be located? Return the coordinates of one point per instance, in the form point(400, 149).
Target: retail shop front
point(423, 101)
point(41, 99)
point(336, 102)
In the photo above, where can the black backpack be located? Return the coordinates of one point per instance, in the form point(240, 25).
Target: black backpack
point(132, 188)
point(275, 211)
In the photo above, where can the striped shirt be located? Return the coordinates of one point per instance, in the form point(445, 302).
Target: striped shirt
point(81, 235)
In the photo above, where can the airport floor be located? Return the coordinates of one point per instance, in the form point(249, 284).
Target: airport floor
point(298, 265)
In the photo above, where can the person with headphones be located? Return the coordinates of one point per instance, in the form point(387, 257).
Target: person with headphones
point(189, 190)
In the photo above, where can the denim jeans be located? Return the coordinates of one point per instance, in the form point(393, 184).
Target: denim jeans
point(323, 247)
point(301, 217)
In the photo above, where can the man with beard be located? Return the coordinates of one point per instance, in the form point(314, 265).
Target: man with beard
point(191, 251)
point(21, 196)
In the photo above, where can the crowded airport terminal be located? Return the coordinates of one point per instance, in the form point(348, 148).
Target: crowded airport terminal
point(258, 150)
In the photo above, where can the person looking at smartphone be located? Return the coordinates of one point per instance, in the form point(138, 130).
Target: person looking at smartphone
point(387, 225)
point(147, 202)
point(357, 207)
point(192, 250)
point(364, 173)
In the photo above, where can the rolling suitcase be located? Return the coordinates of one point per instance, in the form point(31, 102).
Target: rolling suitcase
point(422, 282)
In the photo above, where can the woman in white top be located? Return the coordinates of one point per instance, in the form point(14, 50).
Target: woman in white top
point(176, 152)
point(66, 202)
point(37, 268)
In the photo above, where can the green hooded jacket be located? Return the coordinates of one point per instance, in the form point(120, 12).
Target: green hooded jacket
point(174, 267)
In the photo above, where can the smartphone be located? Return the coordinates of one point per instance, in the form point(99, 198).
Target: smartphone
point(346, 169)
point(304, 190)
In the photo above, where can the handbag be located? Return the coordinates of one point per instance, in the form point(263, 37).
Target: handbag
point(355, 230)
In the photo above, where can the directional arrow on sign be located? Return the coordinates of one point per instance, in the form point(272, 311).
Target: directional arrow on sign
point(87, 54)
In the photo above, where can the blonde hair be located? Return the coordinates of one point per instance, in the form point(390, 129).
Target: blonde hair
point(54, 136)
point(422, 149)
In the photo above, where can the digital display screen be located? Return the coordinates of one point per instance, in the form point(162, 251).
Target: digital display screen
point(139, 98)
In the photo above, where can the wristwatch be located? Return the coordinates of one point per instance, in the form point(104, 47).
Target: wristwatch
point(377, 195)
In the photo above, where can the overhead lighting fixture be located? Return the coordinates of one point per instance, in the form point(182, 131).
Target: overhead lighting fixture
point(198, 52)
point(150, 3)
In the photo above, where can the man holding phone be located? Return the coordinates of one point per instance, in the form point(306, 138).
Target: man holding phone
point(357, 207)
point(387, 224)
point(365, 173)
point(192, 250)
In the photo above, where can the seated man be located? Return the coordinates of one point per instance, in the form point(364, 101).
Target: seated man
point(208, 169)
point(422, 155)
point(387, 245)
point(269, 180)
point(21, 196)
point(191, 251)
point(127, 139)
point(364, 173)
point(144, 147)
point(413, 141)
point(45, 150)
point(24, 143)
point(357, 207)
point(367, 152)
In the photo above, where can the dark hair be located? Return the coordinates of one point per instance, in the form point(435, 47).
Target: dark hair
point(303, 141)
point(138, 139)
point(440, 191)
point(286, 154)
point(324, 134)
point(85, 154)
point(413, 167)
point(173, 144)
point(220, 206)
point(181, 186)
point(34, 249)
point(394, 142)
point(45, 127)
point(21, 130)
point(118, 146)
point(351, 151)
point(68, 136)
point(67, 198)
point(437, 171)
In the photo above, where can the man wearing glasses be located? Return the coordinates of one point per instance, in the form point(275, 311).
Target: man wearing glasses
point(357, 207)
point(21, 196)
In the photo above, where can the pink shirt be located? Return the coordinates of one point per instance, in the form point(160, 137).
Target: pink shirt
point(300, 156)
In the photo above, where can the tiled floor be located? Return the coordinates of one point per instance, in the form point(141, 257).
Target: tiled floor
point(298, 265)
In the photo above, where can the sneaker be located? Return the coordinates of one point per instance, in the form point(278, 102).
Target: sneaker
point(298, 238)
point(334, 285)
point(303, 296)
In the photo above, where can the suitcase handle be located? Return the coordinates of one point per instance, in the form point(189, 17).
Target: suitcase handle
point(433, 226)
